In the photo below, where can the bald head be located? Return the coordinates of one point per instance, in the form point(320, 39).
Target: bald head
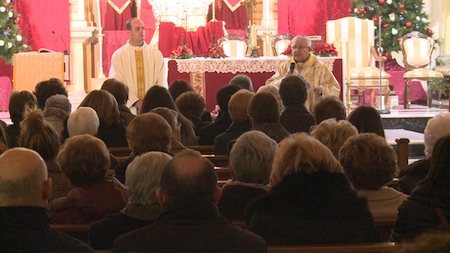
point(23, 179)
point(189, 176)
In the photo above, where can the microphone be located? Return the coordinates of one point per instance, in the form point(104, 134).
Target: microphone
point(292, 67)
point(61, 38)
point(66, 58)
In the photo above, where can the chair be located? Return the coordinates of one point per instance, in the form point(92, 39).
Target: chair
point(354, 40)
point(203, 149)
point(417, 49)
point(402, 152)
point(280, 43)
point(234, 45)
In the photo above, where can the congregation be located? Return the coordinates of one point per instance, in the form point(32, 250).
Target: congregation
point(298, 177)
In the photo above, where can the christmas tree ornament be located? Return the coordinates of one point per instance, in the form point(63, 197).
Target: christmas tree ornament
point(389, 2)
point(362, 9)
point(401, 6)
point(10, 14)
point(366, 1)
point(381, 1)
point(424, 20)
point(392, 17)
point(430, 32)
point(394, 31)
point(10, 45)
point(375, 19)
point(416, 6)
point(19, 37)
point(417, 18)
point(2, 9)
point(401, 18)
point(5, 32)
point(417, 27)
point(8, 1)
point(371, 9)
point(408, 24)
point(386, 25)
point(2, 43)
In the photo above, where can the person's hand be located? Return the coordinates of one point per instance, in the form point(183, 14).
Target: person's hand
point(138, 105)
point(318, 90)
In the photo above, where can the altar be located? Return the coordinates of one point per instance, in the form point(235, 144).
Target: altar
point(208, 75)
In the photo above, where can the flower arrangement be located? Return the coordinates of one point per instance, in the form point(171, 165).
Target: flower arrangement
point(287, 51)
point(325, 49)
point(182, 52)
point(214, 51)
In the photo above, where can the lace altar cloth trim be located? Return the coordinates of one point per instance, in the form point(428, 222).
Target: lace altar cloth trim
point(235, 65)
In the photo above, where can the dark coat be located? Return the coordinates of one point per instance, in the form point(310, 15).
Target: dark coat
point(296, 119)
point(417, 214)
point(125, 115)
point(186, 226)
point(317, 208)
point(232, 133)
point(410, 175)
point(274, 130)
point(87, 203)
point(27, 229)
point(208, 133)
point(114, 136)
point(235, 199)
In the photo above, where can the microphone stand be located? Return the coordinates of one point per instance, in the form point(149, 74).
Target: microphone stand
point(382, 109)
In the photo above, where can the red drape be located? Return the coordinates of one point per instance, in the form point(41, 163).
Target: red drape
point(309, 17)
point(171, 37)
point(37, 20)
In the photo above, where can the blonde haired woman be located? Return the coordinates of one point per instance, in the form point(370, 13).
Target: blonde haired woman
point(311, 201)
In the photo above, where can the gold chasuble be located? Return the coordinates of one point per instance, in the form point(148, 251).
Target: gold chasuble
point(140, 73)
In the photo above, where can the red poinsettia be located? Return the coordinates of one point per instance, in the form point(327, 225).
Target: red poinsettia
point(182, 52)
point(325, 49)
point(214, 51)
point(287, 51)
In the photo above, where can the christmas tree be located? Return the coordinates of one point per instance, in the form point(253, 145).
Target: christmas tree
point(397, 19)
point(11, 41)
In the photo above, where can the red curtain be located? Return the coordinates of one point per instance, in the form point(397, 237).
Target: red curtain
point(308, 17)
point(37, 20)
point(170, 37)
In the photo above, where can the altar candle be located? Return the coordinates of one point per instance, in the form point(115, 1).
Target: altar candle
point(253, 39)
point(267, 3)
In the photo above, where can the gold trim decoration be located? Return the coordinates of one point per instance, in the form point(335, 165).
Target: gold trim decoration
point(140, 73)
point(116, 8)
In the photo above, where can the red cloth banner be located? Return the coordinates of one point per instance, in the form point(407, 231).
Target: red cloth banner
point(309, 17)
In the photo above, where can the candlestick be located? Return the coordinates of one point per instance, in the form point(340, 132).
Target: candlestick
point(253, 38)
point(100, 41)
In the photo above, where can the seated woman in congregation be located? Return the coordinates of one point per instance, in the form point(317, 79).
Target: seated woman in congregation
point(370, 164)
point(193, 105)
point(428, 207)
point(17, 104)
point(333, 134)
point(311, 201)
point(367, 120)
point(142, 179)
point(251, 162)
point(120, 92)
point(158, 96)
point(111, 129)
point(56, 111)
point(412, 174)
point(38, 135)
point(180, 86)
point(85, 161)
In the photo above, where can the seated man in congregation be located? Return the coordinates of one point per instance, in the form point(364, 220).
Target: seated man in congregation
point(251, 161)
point(143, 176)
point(237, 108)
point(189, 220)
point(265, 117)
point(295, 117)
point(48, 88)
point(143, 139)
point(304, 63)
point(208, 134)
point(370, 164)
point(25, 219)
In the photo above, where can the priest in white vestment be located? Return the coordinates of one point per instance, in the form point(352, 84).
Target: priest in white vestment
point(137, 64)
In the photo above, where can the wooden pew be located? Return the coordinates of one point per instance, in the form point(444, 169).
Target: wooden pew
point(385, 226)
point(79, 231)
point(217, 160)
point(385, 247)
point(120, 151)
point(402, 152)
point(203, 149)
